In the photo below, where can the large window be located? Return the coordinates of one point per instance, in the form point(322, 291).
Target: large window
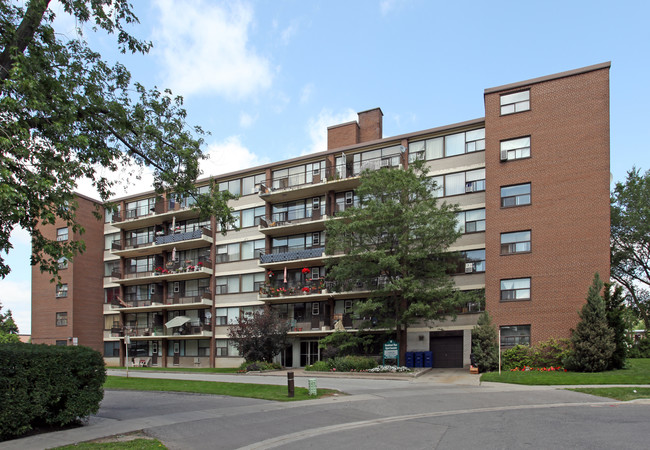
point(250, 185)
point(252, 249)
point(514, 103)
point(109, 239)
point(110, 267)
point(516, 195)
point(515, 289)
point(232, 186)
point(112, 348)
point(228, 285)
point(450, 145)
point(226, 316)
point(228, 253)
point(472, 261)
point(140, 265)
point(226, 347)
point(111, 294)
point(512, 335)
point(515, 242)
point(251, 217)
point(252, 282)
point(61, 319)
point(298, 175)
point(462, 182)
point(515, 148)
point(140, 208)
point(297, 242)
point(472, 221)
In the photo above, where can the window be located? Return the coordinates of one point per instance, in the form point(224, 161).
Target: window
point(227, 316)
point(228, 253)
point(61, 319)
point(109, 239)
point(515, 242)
point(62, 291)
point(226, 347)
point(111, 294)
point(515, 289)
point(472, 261)
point(140, 208)
point(472, 221)
point(228, 285)
point(514, 103)
point(515, 148)
point(462, 182)
point(475, 180)
point(512, 335)
point(62, 343)
point(252, 249)
point(516, 195)
point(62, 234)
point(455, 144)
point(232, 186)
point(112, 216)
point(252, 282)
point(110, 267)
point(251, 185)
point(63, 263)
point(475, 140)
point(112, 349)
point(315, 309)
point(251, 217)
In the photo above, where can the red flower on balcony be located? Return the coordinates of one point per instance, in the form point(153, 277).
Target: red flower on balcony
point(270, 274)
point(159, 269)
point(306, 270)
point(164, 271)
point(305, 289)
point(200, 264)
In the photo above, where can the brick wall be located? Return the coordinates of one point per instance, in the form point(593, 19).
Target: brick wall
point(568, 122)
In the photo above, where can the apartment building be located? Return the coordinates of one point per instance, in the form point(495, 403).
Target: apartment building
point(531, 179)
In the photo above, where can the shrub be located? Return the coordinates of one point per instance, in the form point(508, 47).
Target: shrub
point(517, 356)
point(47, 385)
point(253, 366)
point(550, 353)
point(641, 349)
point(485, 348)
point(350, 363)
point(319, 366)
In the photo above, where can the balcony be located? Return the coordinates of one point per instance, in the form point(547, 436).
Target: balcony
point(188, 330)
point(295, 187)
point(293, 258)
point(305, 220)
point(311, 290)
point(157, 303)
point(163, 211)
point(201, 270)
point(132, 248)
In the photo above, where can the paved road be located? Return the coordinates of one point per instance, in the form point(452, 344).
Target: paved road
point(442, 410)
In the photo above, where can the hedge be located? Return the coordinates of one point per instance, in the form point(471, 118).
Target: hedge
point(43, 385)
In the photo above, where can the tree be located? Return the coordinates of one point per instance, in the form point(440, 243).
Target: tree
point(394, 244)
point(8, 328)
point(593, 339)
point(630, 235)
point(65, 113)
point(616, 319)
point(260, 336)
point(485, 347)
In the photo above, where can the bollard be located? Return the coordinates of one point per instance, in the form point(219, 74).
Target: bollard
point(290, 383)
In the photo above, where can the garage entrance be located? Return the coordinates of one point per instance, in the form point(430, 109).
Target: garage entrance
point(447, 348)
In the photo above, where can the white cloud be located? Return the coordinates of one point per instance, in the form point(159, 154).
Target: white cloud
point(281, 101)
point(204, 48)
point(306, 92)
point(228, 156)
point(288, 33)
point(317, 127)
point(129, 179)
point(386, 6)
point(246, 120)
point(17, 296)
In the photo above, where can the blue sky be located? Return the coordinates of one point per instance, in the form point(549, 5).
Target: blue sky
point(267, 78)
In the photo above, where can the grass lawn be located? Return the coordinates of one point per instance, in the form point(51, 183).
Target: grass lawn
point(179, 369)
point(136, 444)
point(618, 393)
point(261, 391)
point(638, 372)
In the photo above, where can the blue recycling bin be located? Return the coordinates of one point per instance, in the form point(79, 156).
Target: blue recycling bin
point(428, 359)
point(419, 359)
point(410, 360)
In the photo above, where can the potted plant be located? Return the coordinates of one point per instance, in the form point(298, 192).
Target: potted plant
point(306, 290)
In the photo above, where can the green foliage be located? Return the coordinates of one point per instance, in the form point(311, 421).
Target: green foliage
point(485, 347)
point(641, 349)
point(8, 328)
point(348, 363)
point(551, 353)
point(394, 244)
point(68, 115)
point(616, 319)
point(319, 366)
point(260, 336)
point(255, 366)
point(630, 237)
point(47, 385)
point(342, 343)
point(592, 340)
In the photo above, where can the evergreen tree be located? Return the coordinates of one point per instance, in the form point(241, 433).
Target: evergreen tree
point(485, 348)
point(593, 339)
point(8, 328)
point(615, 309)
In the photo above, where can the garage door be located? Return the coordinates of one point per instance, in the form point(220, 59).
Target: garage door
point(447, 351)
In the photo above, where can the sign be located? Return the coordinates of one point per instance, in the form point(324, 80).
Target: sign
point(391, 351)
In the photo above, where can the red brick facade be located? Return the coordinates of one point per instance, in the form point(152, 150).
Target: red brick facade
point(568, 169)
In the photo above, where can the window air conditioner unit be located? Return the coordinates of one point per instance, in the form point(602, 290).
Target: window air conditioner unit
point(385, 162)
point(469, 187)
point(504, 155)
point(469, 267)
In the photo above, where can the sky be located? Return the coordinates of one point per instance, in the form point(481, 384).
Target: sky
point(266, 79)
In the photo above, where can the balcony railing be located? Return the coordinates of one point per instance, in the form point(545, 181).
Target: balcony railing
point(178, 237)
point(277, 289)
point(281, 256)
point(293, 216)
point(160, 207)
point(356, 285)
point(187, 299)
point(136, 242)
point(194, 328)
point(132, 301)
